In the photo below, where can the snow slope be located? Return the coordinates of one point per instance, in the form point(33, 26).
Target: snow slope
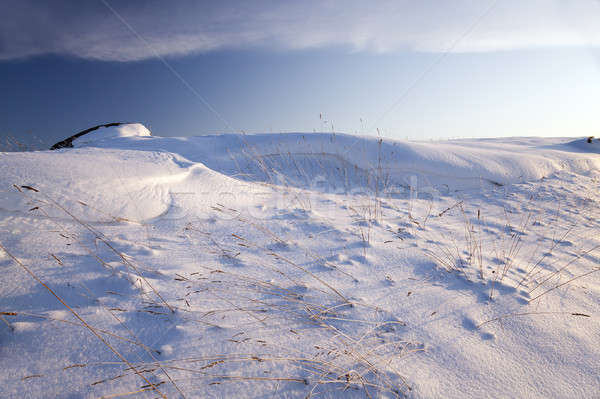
point(295, 265)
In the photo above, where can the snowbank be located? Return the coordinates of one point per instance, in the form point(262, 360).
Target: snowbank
point(461, 164)
point(112, 132)
point(265, 266)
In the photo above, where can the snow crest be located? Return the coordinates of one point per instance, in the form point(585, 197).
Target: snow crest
point(113, 132)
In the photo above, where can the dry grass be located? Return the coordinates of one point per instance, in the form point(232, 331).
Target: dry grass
point(490, 254)
point(316, 337)
point(347, 352)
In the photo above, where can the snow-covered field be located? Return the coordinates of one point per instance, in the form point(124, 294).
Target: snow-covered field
point(300, 265)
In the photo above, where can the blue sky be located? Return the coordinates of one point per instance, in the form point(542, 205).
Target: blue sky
point(418, 70)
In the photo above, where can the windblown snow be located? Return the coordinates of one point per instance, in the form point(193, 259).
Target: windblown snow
point(300, 265)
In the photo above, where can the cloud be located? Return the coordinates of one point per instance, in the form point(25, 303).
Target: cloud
point(90, 30)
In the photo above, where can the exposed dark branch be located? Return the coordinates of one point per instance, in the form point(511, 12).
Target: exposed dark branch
point(68, 143)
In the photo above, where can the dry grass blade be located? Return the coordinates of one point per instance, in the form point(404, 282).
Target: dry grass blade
point(529, 314)
point(552, 274)
point(565, 283)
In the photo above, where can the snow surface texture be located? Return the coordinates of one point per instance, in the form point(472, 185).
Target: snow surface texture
point(299, 265)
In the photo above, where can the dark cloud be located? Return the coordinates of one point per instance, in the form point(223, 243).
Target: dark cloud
point(89, 29)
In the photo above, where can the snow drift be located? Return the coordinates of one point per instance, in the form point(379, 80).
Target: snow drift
point(291, 265)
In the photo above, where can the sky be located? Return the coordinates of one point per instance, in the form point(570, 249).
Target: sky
point(399, 69)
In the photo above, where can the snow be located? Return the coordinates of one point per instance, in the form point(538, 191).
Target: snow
point(291, 265)
point(112, 132)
